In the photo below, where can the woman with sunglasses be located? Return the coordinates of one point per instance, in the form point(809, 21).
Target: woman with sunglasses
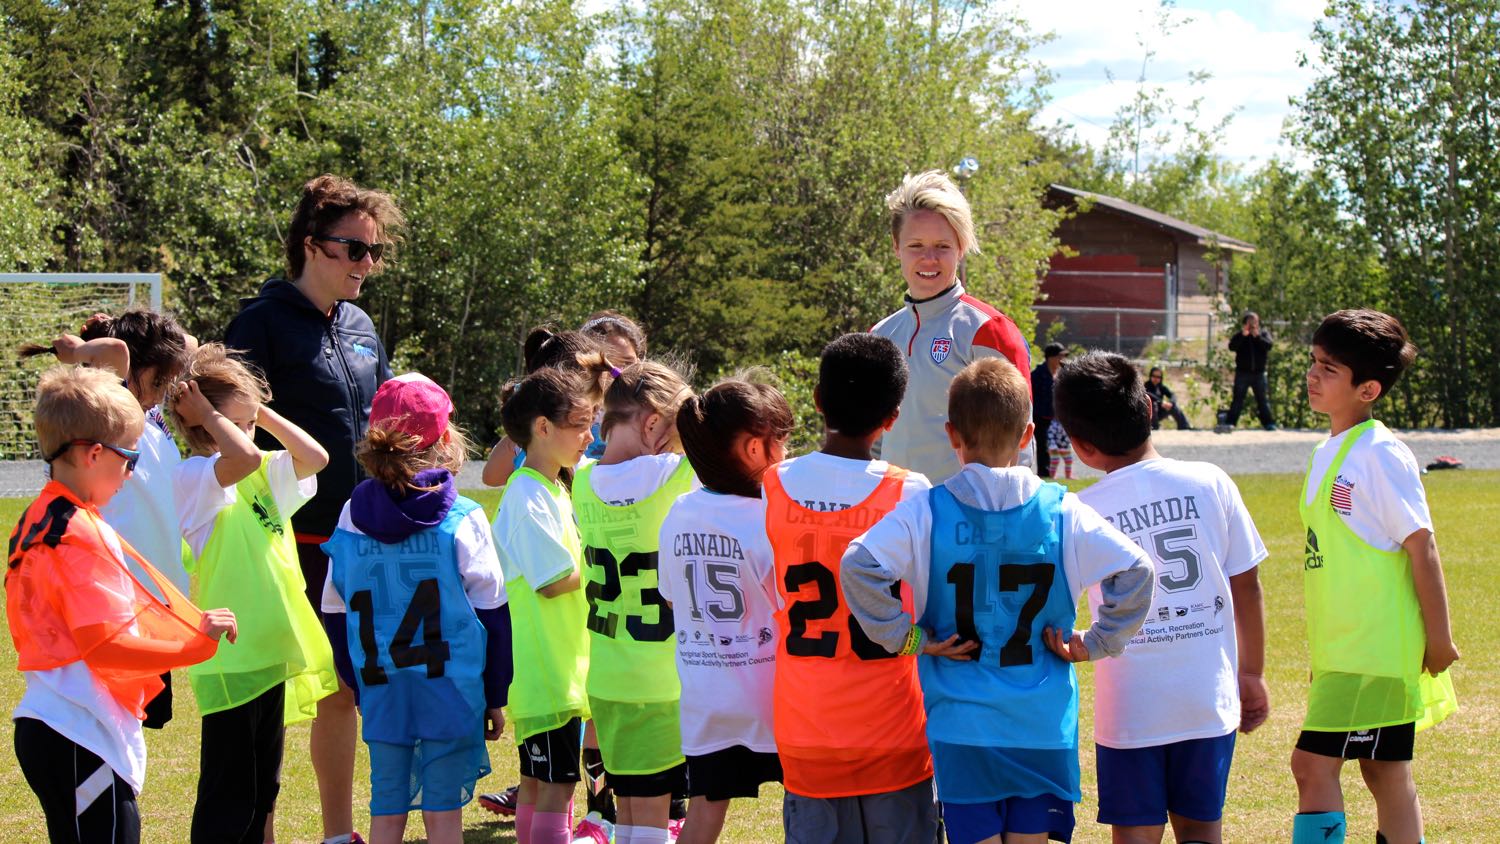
point(323, 360)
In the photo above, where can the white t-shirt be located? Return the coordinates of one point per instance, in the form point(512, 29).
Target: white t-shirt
point(75, 704)
point(718, 572)
point(1179, 677)
point(1378, 492)
point(200, 498)
point(623, 484)
point(825, 483)
point(901, 543)
point(144, 512)
point(528, 531)
point(478, 564)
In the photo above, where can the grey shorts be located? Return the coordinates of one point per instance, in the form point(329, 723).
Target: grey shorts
point(908, 816)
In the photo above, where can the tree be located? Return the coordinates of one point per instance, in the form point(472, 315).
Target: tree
point(1403, 121)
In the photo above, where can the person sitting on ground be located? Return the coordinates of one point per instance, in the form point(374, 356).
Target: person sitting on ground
point(1163, 402)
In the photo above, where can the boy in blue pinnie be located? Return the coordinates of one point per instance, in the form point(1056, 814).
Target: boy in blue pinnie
point(998, 558)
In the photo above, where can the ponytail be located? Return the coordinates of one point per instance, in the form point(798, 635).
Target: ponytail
point(393, 458)
point(711, 425)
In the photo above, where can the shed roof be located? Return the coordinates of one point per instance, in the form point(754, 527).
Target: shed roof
point(1204, 237)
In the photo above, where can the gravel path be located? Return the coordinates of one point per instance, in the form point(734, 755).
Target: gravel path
point(1244, 452)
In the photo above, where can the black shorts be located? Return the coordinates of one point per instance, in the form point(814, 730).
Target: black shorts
point(1383, 744)
point(553, 756)
point(732, 772)
point(671, 781)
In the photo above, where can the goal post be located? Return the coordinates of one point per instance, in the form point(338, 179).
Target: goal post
point(34, 308)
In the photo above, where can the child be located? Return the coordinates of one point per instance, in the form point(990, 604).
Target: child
point(1378, 660)
point(1164, 402)
point(997, 558)
point(717, 572)
point(578, 351)
point(867, 767)
point(633, 689)
point(234, 505)
point(428, 708)
point(1059, 448)
point(548, 413)
point(624, 344)
point(1166, 756)
point(148, 350)
point(92, 640)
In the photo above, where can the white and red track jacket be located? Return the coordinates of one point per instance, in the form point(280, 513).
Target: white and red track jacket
point(941, 336)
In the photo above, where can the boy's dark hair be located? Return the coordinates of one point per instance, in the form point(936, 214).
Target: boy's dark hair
point(989, 404)
point(861, 381)
point(1099, 398)
point(712, 423)
point(1372, 344)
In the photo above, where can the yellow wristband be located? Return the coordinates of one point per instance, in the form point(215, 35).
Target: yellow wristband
point(913, 641)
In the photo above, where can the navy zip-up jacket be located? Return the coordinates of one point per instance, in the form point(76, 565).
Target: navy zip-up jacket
point(323, 373)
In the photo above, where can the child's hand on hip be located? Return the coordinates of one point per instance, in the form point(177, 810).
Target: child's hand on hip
point(1068, 649)
point(952, 648)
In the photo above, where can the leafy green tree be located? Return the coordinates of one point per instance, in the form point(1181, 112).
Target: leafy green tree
point(1403, 121)
point(26, 218)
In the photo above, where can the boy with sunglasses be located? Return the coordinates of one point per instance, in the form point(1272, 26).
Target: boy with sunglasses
point(92, 641)
point(147, 350)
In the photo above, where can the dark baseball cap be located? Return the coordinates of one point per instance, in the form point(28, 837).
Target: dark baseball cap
point(1052, 350)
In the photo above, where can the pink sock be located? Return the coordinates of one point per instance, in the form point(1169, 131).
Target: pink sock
point(551, 828)
point(524, 813)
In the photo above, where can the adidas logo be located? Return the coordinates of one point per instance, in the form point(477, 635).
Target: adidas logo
point(1313, 557)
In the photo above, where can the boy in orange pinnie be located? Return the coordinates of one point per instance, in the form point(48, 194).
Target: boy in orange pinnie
point(92, 640)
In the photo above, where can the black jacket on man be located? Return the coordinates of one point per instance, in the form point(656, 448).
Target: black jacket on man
point(1250, 352)
point(323, 373)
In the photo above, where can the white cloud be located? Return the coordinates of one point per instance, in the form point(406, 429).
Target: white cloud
point(1250, 48)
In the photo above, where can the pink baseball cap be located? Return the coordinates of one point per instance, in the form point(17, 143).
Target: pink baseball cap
point(412, 404)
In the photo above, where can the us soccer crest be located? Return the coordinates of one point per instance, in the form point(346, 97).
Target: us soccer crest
point(941, 347)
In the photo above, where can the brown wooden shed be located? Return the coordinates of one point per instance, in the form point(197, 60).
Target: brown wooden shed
point(1131, 276)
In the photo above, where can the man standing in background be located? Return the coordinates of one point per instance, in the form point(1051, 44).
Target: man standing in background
point(1251, 347)
point(1041, 396)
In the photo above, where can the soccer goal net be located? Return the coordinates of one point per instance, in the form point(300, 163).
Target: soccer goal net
point(34, 308)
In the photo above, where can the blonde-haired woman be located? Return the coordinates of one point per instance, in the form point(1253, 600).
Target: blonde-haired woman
point(941, 328)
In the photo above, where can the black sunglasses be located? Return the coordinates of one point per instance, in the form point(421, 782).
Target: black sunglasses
point(358, 249)
point(132, 456)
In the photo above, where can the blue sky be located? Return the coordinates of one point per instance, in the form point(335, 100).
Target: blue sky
point(1250, 48)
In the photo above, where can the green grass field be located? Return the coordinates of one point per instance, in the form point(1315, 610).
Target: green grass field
point(1453, 761)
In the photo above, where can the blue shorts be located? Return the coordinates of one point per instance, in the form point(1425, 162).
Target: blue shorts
point(434, 776)
point(1138, 787)
point(970, 822)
